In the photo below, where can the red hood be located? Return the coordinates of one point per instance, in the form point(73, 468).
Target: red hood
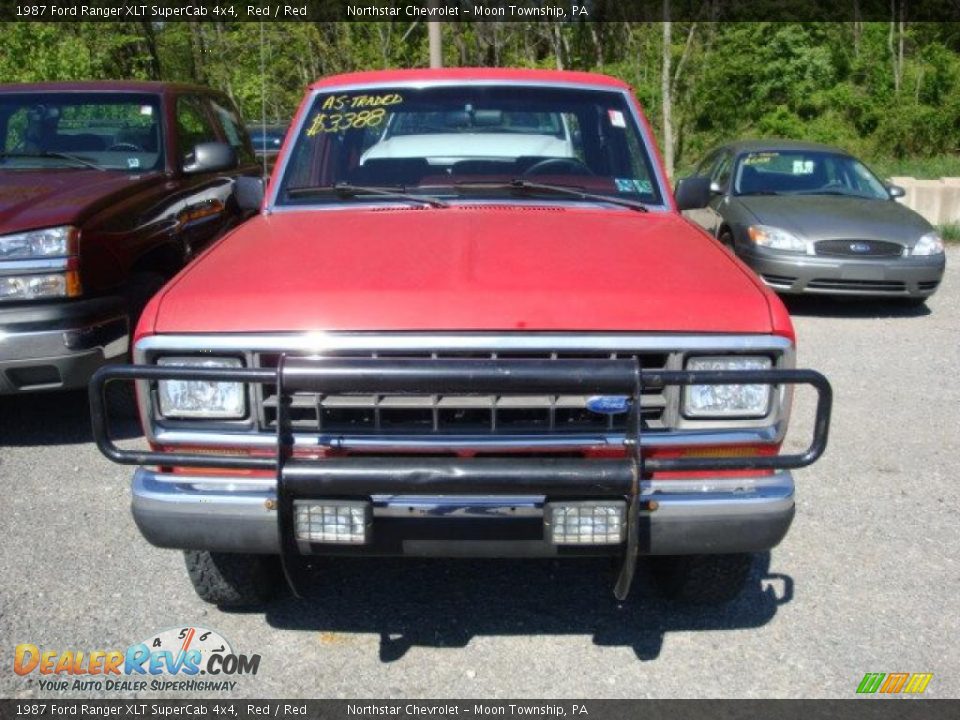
point(32, 199)
point(465, 268)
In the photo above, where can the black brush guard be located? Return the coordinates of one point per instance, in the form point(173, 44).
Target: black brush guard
point(350, 477)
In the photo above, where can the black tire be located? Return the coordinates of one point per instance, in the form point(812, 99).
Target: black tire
point(232, 580)
point(701, 579)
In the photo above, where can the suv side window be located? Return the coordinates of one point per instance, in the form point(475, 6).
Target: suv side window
point(233, 128)
point(193, 126)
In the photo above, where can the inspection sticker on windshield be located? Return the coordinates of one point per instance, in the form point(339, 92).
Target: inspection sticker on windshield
point(146, 110)
point(803, 167)
point(617, 119)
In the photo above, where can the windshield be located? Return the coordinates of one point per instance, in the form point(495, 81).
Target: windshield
point(797, 172)
point(469, 141)
point(117, 131)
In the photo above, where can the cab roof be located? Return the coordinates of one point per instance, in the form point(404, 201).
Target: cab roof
point(385, 77)
point(141, 86)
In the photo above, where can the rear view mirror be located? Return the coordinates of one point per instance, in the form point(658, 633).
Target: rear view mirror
point(249, 192)
point(211, 157)
point(896, 191)
point(692, 192)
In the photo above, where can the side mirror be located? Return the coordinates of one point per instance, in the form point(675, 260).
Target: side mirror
point(693, 192)
point(249, 192)
point(896, 191)
point(211, 157)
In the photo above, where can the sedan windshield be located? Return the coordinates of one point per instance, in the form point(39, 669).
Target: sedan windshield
point(805, 172)
point(470, 141)
point(116, 131)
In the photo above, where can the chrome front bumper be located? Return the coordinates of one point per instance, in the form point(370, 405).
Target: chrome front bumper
point(59, 346)
point(238, 514)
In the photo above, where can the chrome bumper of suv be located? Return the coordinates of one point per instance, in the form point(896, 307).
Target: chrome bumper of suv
point(238, 514)
point(59, 346)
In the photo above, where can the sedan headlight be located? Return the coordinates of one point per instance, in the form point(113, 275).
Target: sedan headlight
point(49, 242)
point(778, 239)
point(190, 399)
point(929, 244)
point(727, 401)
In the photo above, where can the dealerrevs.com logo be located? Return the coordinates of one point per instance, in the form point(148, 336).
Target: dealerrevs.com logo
point(179, 659)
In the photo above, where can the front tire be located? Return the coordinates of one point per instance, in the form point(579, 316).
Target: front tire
point(232, 580)
point(701, 579)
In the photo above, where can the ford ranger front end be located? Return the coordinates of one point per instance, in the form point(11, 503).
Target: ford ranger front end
point(481, 351)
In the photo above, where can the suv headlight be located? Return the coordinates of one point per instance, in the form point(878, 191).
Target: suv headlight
point(49, 242)
point(190, 399)
point(54, 276)
point(727, 401)
point(929, 244)
point(778, 239)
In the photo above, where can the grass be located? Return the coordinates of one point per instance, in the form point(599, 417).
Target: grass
point(950, 232)
point(922, 168)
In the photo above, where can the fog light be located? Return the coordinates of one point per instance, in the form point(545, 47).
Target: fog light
point(587, 523)
point(341, 522)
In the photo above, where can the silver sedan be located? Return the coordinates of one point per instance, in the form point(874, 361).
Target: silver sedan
point(810, 218)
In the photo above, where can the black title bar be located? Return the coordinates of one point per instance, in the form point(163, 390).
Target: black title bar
point(460, 11)
point(143, 709)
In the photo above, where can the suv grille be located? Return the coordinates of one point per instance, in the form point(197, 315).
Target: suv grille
point(454, 414)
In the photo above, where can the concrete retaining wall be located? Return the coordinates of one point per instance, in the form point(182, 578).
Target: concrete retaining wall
point(937, 200)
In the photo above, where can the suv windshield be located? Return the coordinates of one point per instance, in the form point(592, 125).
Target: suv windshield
point(804, 172)
point(472, 141)
point(116, 131)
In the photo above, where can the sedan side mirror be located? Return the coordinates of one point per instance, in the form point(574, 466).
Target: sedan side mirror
point(693, 192)
point(211, 157)
point(896, 191)
point(249, 192)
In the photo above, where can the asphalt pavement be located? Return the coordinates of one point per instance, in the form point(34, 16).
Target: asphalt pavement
point(867, 580)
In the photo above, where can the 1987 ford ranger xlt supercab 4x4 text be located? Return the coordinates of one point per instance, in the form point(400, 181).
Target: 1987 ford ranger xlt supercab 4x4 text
point(450, 346)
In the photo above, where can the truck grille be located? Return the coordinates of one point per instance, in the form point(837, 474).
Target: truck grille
point(457, 414)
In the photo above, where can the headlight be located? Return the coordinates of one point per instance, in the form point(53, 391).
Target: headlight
point(777, 239)
point(929, 244)
point(201, 398)
point(49, 242)
point(47, 285)
point(728, 401)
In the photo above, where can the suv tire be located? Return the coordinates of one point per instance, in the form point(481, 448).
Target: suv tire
point(701, 579)
point(231, 580)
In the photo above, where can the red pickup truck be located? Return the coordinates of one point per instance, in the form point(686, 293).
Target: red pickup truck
point(468, 320)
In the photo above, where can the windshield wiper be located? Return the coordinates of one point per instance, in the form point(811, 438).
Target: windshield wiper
point(520, 185)
point(346, 190)
point(758, 192)
point(831, 192)
point(54, 155)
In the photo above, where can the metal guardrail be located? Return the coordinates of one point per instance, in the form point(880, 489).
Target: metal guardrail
point(364, 476)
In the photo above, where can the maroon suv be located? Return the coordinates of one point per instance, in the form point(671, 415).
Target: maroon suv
point(106, 190)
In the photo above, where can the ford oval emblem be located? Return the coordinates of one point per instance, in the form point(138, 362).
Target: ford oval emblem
point(860, 247)
point(608, 404)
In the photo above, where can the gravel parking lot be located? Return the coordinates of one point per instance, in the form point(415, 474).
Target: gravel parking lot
point(866, 581)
